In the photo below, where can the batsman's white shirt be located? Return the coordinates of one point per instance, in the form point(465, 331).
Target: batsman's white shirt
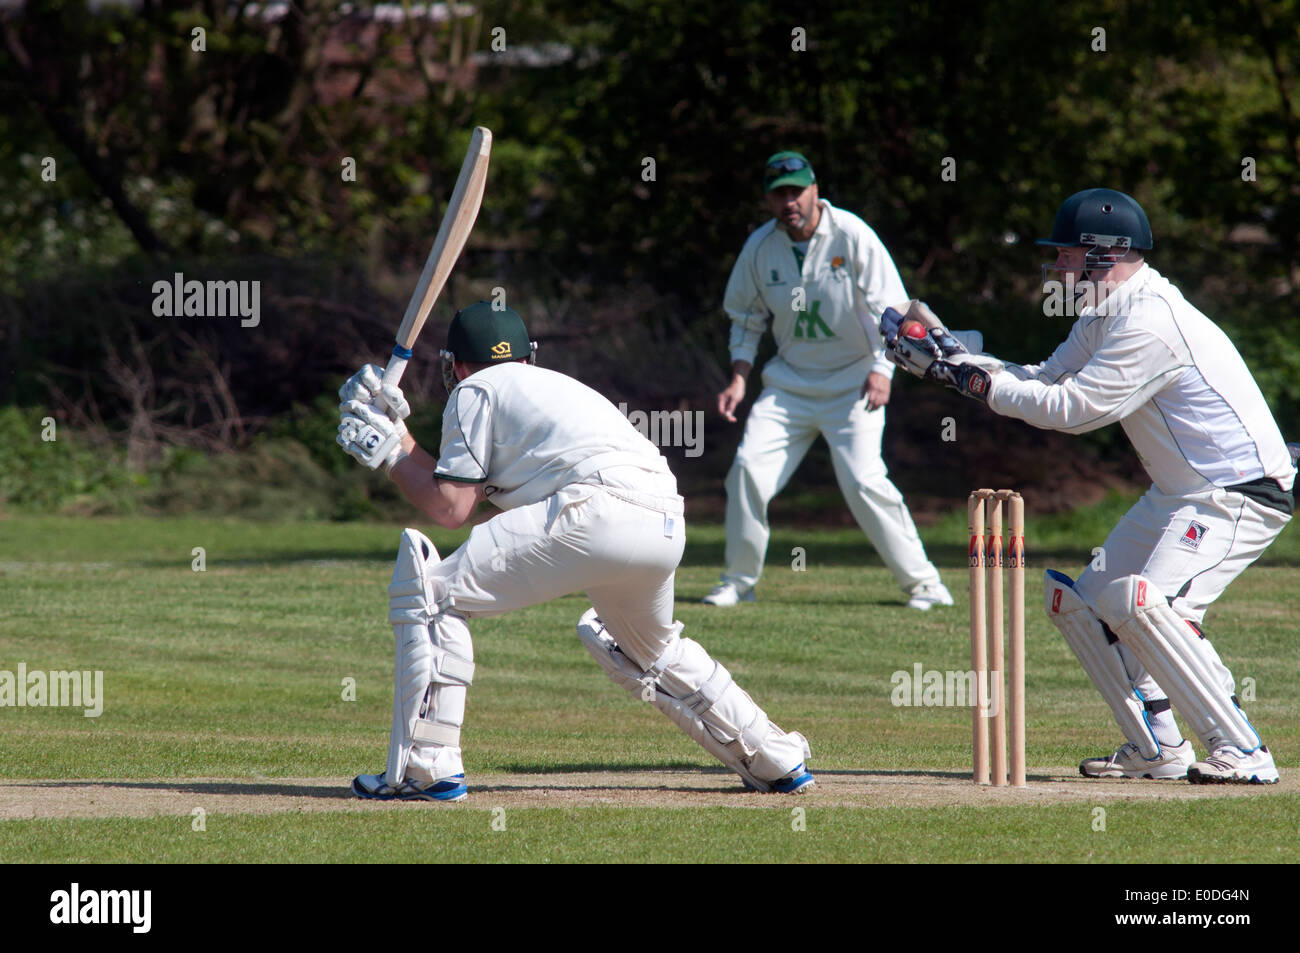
point(1147, 359)
point(825, 317)
point(527, 432)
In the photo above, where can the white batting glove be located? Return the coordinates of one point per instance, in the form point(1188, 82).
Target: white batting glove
point(368, 384)
point(370, 436)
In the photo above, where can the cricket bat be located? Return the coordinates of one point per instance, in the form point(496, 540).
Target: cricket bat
point(456, 225)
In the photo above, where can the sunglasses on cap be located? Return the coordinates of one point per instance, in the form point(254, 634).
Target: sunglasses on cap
point(783, 167)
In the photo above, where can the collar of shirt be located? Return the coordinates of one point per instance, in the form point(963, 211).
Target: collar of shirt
point(1117, 302)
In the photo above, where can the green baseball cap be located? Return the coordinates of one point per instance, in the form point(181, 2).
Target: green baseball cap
point(483, 334)
point(787, 168)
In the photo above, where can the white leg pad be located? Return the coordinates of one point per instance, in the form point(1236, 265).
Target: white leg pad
point(1165, 644)
point(1084, 634)
point(434, 665)
point(699, 697)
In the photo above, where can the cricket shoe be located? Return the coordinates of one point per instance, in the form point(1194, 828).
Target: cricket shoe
point(728, 594)
point(1230, 765)
point(375, 788)
point(1170, 765)
point(929, 594)
point(798, 781)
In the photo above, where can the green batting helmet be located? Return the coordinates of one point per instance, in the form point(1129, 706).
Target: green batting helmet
point(483, 333)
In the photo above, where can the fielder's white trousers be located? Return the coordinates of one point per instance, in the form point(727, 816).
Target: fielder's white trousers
point(780, 429)
point(1191, 568)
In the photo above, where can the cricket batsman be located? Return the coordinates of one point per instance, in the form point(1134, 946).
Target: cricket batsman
point(1222, 487)
point(589, 505)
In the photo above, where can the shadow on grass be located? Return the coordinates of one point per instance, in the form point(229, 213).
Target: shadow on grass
point(598, 767)
point(246, 788)
point(216, 560)
point(947, 556)
point(821, 551)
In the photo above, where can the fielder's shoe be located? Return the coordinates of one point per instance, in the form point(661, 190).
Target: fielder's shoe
point(1231, 765)
point(728, 594)
point(375, 788)
point(929, 594)
point(797, 781)
point(1127, 762)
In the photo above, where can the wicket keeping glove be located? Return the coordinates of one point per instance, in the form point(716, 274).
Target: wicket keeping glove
point(966, 377)
point(917, 339)
point(370, 436)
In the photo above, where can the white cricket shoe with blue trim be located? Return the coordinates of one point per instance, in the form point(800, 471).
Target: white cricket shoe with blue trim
point(1127, 762)
point(1230, 765)
point(373, 787)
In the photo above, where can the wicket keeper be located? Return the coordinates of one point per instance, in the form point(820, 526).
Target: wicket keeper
point(1142, 356)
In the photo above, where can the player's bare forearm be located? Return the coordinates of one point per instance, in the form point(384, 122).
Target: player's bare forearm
point(447, 502)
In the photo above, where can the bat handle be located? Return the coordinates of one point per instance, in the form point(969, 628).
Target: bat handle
point(393, 372)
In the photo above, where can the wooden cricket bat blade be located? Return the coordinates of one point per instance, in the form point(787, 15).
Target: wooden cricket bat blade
point(454, 231)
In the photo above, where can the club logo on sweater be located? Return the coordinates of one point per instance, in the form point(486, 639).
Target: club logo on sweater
point(1195, 533)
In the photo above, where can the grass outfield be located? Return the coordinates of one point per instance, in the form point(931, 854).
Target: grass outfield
point(227, 691)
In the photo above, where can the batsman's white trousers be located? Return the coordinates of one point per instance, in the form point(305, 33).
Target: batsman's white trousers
point(780, 429)
point(1191, 547)
point(620, 546)
point(584, 538)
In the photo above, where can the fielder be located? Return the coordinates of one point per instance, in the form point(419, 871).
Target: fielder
point(1140, 355)
point(589, 505)
point(823, 278)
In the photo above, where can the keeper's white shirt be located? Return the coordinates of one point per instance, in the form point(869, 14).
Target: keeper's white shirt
point(1147, 359)
point(527, 432)
point(848, 279)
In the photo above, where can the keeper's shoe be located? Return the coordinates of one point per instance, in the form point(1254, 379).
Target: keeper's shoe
point(1171, 765)
point(728, 594)
point(1230, 765)
point(929, 594)
point(798, 781)
point(375, 788)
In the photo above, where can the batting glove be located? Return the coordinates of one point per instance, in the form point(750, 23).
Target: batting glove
point(370, 436)
point(367, 386)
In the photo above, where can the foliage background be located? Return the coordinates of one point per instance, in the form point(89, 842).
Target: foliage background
point(225, 164)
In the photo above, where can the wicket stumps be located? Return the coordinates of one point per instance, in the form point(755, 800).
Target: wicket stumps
point(988, 710)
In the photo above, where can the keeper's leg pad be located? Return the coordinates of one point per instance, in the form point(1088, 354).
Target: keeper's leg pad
point(434, 666)
point(1101, 660)
point(698, 696)
point(1168, 647)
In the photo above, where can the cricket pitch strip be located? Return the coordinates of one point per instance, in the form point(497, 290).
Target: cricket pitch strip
point(634, 787)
